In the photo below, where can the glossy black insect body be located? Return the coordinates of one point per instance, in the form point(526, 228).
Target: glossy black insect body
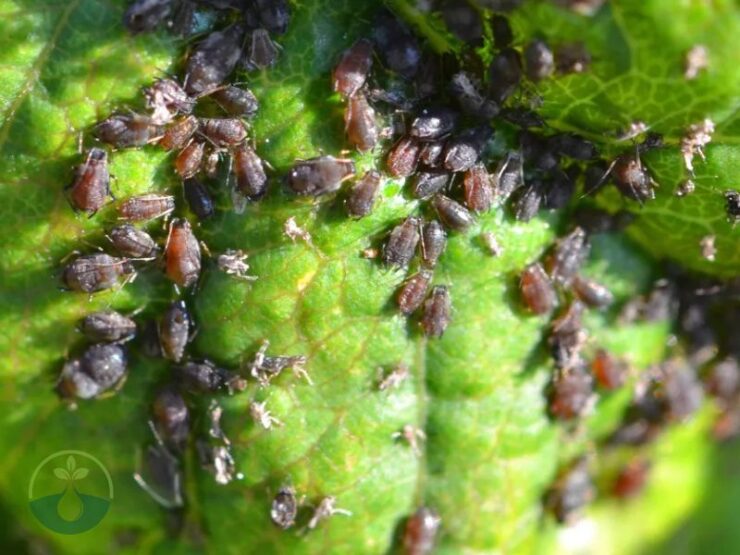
point(101, 368)
point(433, 123)
point(182, 254)
point(360, 124)
point(174, 331)
point(397, 47)
point(402, 243)
point(463, 150)
point(732, 204)
point(433, 243)
point(430, 155)
point(632, 178)
point(451, 213)
point(437, 312)
point(363, 194)
point(249, 170)
point(319, 176)
point(198, 198)
point(427, 183)
point(470, 99)
point(284, 508)
point(146, 207)
point(95, 272)
point(353, 68)
point(213, 59)
point(108, 326)
point(539, 60)
point(127, 130)
point(91, 184)
point(237, 101)
point(414, 290)
point(420, 532)
point(505, 73)
point(537, 289)
point(573, 146)
point(206, 377)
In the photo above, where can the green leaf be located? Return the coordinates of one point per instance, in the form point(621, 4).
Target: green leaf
point(80, 473)
point(61, 473)
point(491, 449)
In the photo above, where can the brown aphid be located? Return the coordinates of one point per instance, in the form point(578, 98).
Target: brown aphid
point(95, 272)
point(249, 170)
point(420, 532)
point(108, 326)
point(631, 479)
point(206, 377)
point(133, 242)
point(360, 124)
point(568, 337)
point(189, 159)
point(437, 309)
point(213, 59)
point(263, 51)
point(537, 290)
point(424, 184)
point(91, 183)
point(182, 254)
point(174, 331)
point(127, 130)
point(452, 214)
point(414, 291)
point(433, 243)
point(179, 133)
point(101, 368)
point(363, 194)
point(593, 294)
point(568, 256)
point(166, 98)
point(284, 508)
point(223, 132)
point(572, 393)
point(237, 101)
point(632, 178)
point(353, 68)
point(171, 418)
point(319, 176)
point(146, 207)
point(571, 491)
point(609, 371)
point(403, 157)
point(478, 189)
point(402, 243)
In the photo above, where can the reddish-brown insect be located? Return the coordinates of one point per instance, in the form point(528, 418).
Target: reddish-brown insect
point(478, 189)
point(171, 418)
point(433, 243)
point(363, 194)
point(353, 68)
point(146, 207)
point(571, 394)
point(236, 101)
point(95, 272)
point(249, 170)
point(179, 133)
point(91, 183)
point(402, 243)
point(420, 532)
point(133, 242)
point(319, 176)
point(360, 124)
point(610, 372)
point(568, 255)
point(437, 310)
point(174, 331)
point(631, 479)
point(403, 157)
point(223, 132)
point(123, 130)
point(592, 293)
point(189, 159)
point(413, 291)
point(452, 214)
point(537, 290)
point(182, 254)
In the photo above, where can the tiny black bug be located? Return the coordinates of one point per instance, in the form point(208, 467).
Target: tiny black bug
point(198, 198)
point(319, 176)
point(166, 98)
point(539, 60)
point(171, 418)
point(360, 124)
point(463, 150)
point(127, 130)
point(433, 123)
point(424, 184)
point(206, 377)
point(236, 101)
point(263, 51)
point(179, 133)
point(249, 170)
point(284, 508)
point(101, 368)
point(403, 157)
point(213, 59)
point(505, 73)
point(479, 193)
point(189, 159)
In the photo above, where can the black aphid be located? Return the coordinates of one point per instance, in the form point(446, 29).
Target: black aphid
point(179, 133)
point(396, 45)
point(403, 157)
point(127, 130)
point(471, 101)
point(572, 58)
point(284, 508)
point(401, 245)
point(464, 150)
point(108, 326)
point(505, 73)
point(568, 256)
point(573, 146)
point(182, 254)
point(509, 175)
point(502, 33)
point(198, 198)
point(166, 98)
point(528, 200)
point(537, 289)
point(451, 213)
point(572, 393)
point(273, 14)
point(161, 477)
point(223, 132)
point(146, 15)
point(189, 159)
point(359, 123)
point(732, 205)
point(592, 293)
point(319, 176)
point(424, 184)
point(206, 377)
point(462, 20)
point(539, 60)
point(263, 51)
point(213, 59)
point(430, 154)
point(171, 418)
point(478, 187)
point(433, 123)
point(101, 368)
point(146, 207)
point(437, 312)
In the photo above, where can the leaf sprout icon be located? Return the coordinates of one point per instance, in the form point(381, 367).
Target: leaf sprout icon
point(70, 506)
